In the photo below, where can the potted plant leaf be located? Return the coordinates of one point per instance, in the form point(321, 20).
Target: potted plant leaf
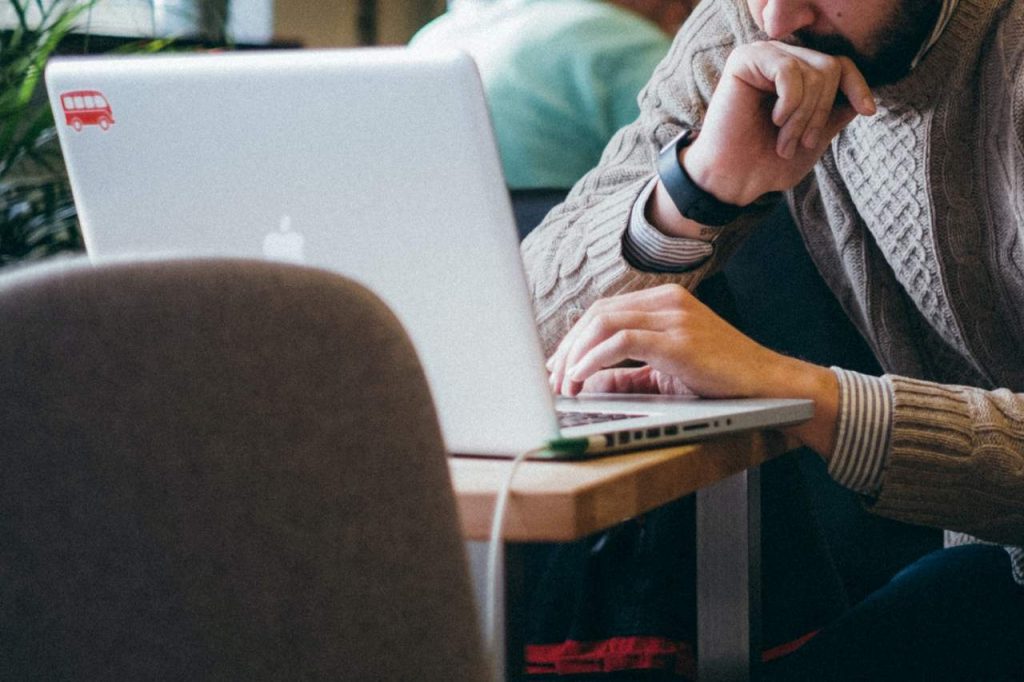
point(37, 213)
point(37, 216)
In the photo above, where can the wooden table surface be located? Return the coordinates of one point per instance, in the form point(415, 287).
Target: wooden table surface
point(564, 501)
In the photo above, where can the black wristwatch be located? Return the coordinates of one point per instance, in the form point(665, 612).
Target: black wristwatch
point(690, 200)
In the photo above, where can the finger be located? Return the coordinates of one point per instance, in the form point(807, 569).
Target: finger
point(855, 88)
point(799, 123)
point(570, 388)
point(797, 111)
point(606, 325)
point(851, 82)
point(786, 75)
point(556, 369)
point(624, 345)
point(622, 380)
point(556, 363)
point(823, 107)
point(657, 298)
point(822, 80)
point(555, 381)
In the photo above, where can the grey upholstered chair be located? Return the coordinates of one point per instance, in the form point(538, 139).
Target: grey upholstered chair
point(222, 470)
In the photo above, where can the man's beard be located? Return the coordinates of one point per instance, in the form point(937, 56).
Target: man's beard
point(894, 46)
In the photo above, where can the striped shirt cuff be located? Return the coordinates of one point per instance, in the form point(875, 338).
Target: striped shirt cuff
point(647, 248)
point(865, 427)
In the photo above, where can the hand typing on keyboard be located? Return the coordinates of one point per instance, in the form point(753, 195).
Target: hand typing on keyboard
point(687, 348)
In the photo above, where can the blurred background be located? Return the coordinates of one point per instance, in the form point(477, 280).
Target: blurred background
point(561, 76)
point(311, 23)
point(37, 214)
point(328, 23)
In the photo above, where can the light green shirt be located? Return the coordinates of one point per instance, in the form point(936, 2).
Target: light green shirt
point(561, 77)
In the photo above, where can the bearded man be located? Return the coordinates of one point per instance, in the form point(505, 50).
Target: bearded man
point(894, 130)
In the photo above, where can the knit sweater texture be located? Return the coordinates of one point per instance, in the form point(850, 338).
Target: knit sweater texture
point(915, 219)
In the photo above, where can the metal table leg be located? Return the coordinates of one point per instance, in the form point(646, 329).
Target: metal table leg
point(508, 654)
point(728, 585)
point(729, 578)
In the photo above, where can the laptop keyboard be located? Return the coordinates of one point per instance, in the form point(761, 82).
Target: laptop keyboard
point(568, 419)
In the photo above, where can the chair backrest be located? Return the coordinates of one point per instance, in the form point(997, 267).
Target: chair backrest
point(221, 470)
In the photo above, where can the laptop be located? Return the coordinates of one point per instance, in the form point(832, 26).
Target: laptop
point(379, 164)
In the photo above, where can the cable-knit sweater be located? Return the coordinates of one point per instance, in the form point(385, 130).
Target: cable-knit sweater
point(915, 219)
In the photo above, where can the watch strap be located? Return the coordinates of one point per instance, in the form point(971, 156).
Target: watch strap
point(690, 200)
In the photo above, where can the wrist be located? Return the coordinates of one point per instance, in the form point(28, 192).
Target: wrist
point(700, 164)
point(792, 378)
point(691, 201)
point(661, 212)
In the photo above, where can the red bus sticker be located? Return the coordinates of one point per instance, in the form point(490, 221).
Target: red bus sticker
point(86, 108)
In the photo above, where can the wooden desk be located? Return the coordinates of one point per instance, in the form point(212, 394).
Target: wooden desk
point(565, 501)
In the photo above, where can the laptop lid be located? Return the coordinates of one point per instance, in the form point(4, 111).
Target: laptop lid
point(379, 164)
point(372, 163)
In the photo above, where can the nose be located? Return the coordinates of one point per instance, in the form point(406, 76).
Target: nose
point(781, 18)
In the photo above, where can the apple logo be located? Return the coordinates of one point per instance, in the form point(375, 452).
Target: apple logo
point(284, 244)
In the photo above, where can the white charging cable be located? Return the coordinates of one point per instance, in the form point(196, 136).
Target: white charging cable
point(497, 523)
point(568, 447)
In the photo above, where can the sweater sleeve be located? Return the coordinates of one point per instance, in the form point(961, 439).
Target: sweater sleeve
point(956, 460)
point(576, 255)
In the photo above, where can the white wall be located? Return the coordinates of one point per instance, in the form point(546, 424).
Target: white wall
point(250, 21)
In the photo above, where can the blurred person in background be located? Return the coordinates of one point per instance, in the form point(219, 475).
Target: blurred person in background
point(561, 76)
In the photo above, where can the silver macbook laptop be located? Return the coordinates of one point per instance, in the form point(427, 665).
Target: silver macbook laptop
point(379, 164)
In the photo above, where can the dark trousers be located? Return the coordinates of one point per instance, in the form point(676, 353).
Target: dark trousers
point(955, 614)
point(636, 582)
